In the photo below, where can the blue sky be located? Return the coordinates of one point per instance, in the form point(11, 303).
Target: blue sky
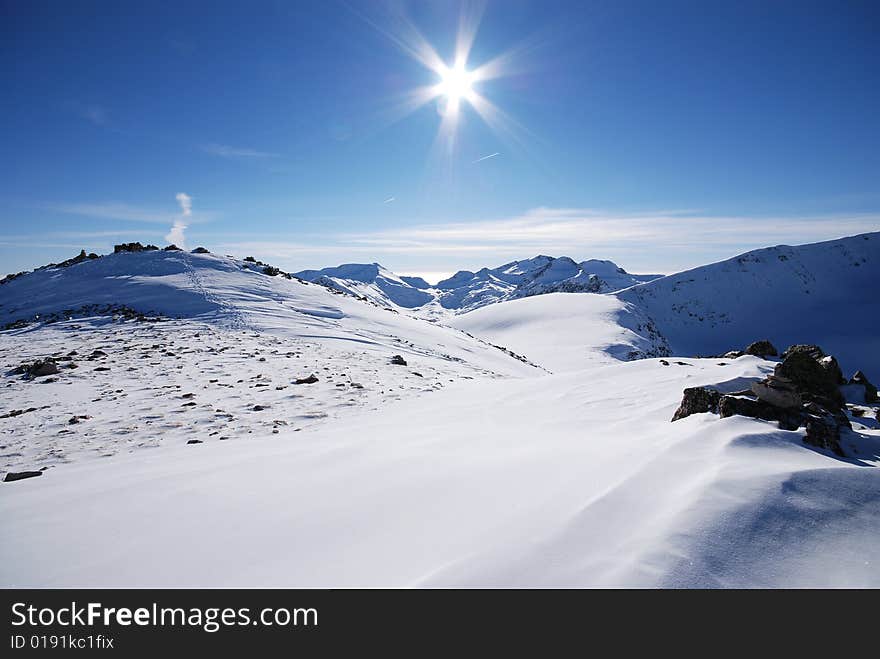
point(660, 135)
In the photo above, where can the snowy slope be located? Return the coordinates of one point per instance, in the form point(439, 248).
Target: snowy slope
point(823, 293)
point(466, 290)
point(466, 467)
point(819, 293)
point(565, 332)
point(567, 480)
point(223, 367)
point(372, 281)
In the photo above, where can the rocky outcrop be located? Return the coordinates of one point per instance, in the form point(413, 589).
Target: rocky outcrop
point(814, 378)
point(200, 250)
point(762, 348)
point(133, 247)
point(813, 351)
point(870, 390)
point(778, 391)
point(758, 409)
point(309, 380)
point(172, 248)
point(697, 400)
point(398, 360)
point(824, 432)
point(803, 391)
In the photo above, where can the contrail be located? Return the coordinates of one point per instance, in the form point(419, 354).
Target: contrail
point(389, 200)
point(491, 155)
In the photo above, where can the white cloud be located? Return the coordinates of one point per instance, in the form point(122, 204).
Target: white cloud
point(660, 241)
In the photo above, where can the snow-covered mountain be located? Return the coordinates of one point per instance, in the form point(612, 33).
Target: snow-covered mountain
point(822, 293)
point(372, 281)
point(143, 329)
point(369, 447)
point(465, 290)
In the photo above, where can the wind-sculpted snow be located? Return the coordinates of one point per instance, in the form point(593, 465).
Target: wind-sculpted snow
point(565, 480)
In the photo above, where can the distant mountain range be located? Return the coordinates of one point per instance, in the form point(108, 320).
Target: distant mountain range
point(821, 293)
point(466, 290)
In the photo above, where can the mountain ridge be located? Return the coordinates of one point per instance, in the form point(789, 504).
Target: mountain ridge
point(468, 290)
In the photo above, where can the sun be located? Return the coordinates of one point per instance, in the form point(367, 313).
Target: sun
point(456, 83)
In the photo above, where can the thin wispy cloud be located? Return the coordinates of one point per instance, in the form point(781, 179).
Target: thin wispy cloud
point(226, 151)
point(389, 200)
point(112, 210)
point(491, 155)
point(658, 241)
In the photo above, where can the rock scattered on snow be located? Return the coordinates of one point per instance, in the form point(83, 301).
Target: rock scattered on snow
point(697, 400)
point(20, 475)
point(398, 360)
point(38, 368)
point(309, 380)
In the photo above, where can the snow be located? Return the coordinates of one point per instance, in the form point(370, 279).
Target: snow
point(822, 293)
point(561, 331)
point(466, 290)
point(562, 480)
point(467, 467)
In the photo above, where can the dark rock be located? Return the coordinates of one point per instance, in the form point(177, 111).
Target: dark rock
point(20, 475)
point(824, 432)
point(762, 348)
point(271, 270)
point(79, 417)
point(195, 441)
point(15, 413)
point(129, 247)
point(870, 390)
point(829, 363)
point(43, 367)
point(777, 391)
point(733, 354)
point(309, 380)
point(200, 250)
point(398, 360)
point(172, 248)
point(812, 350)
point(811, 379)
point(758, 409)
point(37, 369)
point(696, 400)
point(258, 408)
point(664, 362)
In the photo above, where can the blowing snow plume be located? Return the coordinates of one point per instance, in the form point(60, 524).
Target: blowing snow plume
point(176, 235)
